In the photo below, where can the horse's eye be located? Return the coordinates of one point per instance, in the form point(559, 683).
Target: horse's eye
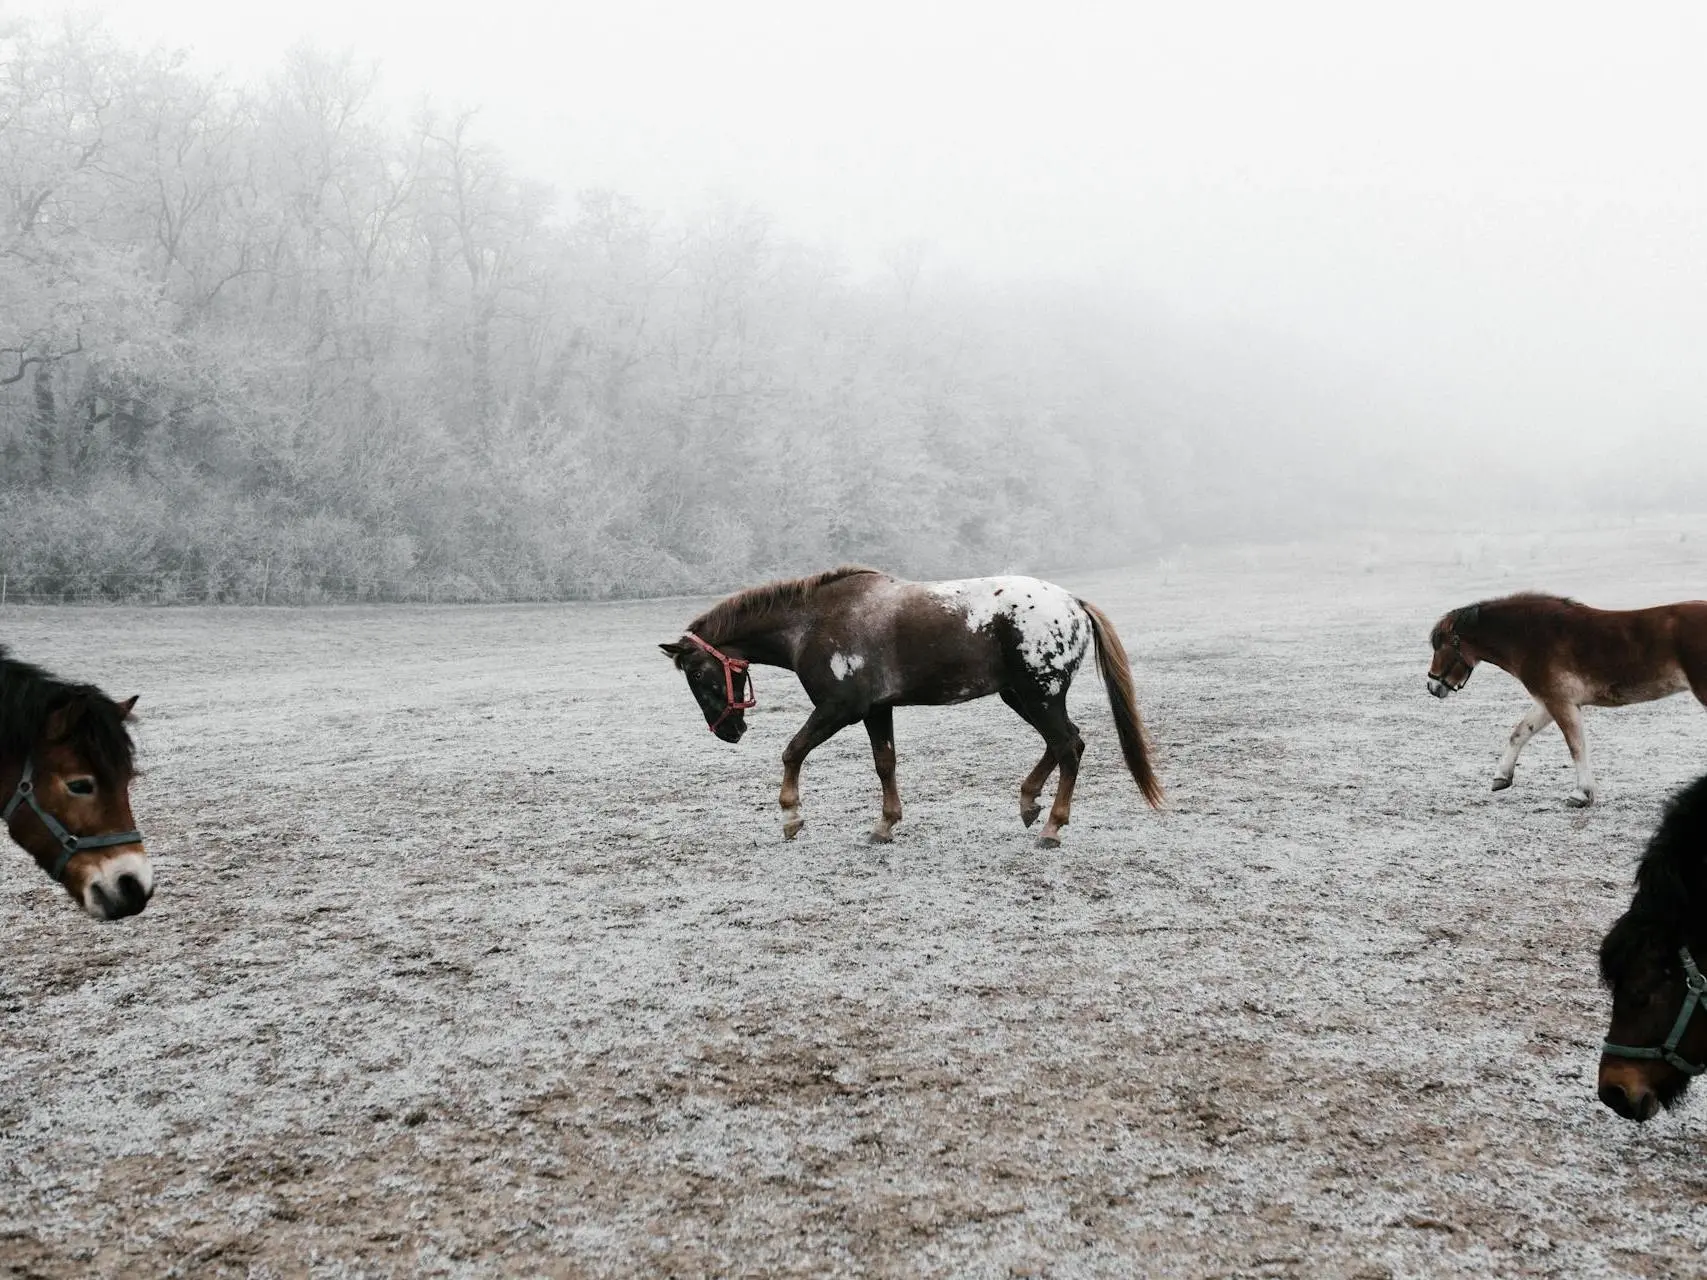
point(81, 786)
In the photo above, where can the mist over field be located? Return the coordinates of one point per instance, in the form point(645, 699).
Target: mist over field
point(320, 303)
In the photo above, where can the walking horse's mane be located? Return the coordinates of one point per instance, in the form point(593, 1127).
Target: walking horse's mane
point(726, 617)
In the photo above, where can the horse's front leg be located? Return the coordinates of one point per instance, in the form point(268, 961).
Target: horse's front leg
point(1533, 722)
point(1570, 718)
point(880, 724)
point(822, 725)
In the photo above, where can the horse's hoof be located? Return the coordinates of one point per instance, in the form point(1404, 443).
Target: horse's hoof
point(880, 836)
point(1048, 842)
point(1500, 784)
point(1029, 815)
point(792, 829)
point(1579, 801)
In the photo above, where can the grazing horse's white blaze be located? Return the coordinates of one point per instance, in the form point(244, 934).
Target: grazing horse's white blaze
point(1533, 722)
point(842, 665)
point(107, 874)
point(1054, 632)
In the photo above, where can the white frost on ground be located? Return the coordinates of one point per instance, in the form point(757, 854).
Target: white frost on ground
point(473, 954)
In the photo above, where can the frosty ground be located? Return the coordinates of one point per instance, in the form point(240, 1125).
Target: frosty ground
point(474, 954)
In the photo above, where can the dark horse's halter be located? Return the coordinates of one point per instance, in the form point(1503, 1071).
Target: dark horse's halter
point(1668, 1052)
point(730, 667)
point(1469, 670)
point(69, 845)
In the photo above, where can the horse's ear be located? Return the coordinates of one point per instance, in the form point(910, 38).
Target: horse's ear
point(672, 650)
point(127, 706)
point(59, 724)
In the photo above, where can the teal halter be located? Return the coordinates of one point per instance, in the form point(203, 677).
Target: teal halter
point(69, 845)
point(1693, 998)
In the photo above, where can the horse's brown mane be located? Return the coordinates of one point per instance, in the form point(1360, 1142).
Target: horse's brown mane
point(1485, 616)
point(92, 722)
point(1531, 597)
point(725, 618)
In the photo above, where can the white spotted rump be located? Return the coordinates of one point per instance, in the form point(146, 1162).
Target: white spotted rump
point(842, 665)
point(1053, 632)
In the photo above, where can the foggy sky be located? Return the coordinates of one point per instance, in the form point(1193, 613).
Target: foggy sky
point(1492, 211)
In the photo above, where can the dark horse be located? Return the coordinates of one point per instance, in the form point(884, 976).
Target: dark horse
point(864, 643)
point(1658, 1038)
point(1570, 656)
point(65, 770)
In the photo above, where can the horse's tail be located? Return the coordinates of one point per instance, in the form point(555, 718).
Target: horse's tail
point(1123, 701)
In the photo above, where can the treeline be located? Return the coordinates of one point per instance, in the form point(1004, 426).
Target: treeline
point(267, 340)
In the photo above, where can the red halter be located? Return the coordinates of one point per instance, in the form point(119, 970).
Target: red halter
point(730, 667)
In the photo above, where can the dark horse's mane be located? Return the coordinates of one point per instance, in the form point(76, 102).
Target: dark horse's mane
point(725, 618)
point(1487, 617)
point(1669, 882)
point(93, 721)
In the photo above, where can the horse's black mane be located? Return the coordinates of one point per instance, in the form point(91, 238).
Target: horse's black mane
point(1476, 617)
point(1527, 597)
point(93, 722)
point(725, 618)
point(1670, 884)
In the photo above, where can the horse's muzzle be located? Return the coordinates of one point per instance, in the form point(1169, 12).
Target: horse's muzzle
point(731, 730)
point(121, 886)
point(1641, 1106)
point(1439, 688)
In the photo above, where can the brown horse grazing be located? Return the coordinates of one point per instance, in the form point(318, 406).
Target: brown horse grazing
point(1570, 656)
point(864, 643)
point(1657, 1041)
point(65, 770)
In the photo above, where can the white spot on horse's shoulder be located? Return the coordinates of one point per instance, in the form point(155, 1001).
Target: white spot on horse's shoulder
point(842, 665)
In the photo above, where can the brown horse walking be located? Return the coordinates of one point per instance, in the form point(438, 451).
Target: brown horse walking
point(1657, 1042)
point(1570, 656)
point(66, 763)
point(863, 643)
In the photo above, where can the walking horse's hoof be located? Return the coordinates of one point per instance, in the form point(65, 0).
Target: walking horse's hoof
point(1028, 814)
point(1500, 784)
point(1578, 801)
point(793, 828)
point(1048, 842)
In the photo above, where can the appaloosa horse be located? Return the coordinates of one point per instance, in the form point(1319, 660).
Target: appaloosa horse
point(1570, 656)
point(65, 767)
point(1657, 1042)
point(863, 643)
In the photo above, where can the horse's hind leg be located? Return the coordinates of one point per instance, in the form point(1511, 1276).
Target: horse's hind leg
point(1032, 785)
point(1533, 722)
point(1570, 718)
point(880, 724)
point(1067, 746)
point(1692, 657)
